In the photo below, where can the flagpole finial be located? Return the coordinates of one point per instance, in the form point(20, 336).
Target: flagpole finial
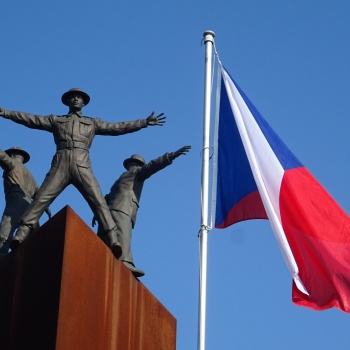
point(208, 36)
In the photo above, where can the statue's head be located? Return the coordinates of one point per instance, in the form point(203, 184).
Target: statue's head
point(13, 151)
point(75, 91)
point(135, 158)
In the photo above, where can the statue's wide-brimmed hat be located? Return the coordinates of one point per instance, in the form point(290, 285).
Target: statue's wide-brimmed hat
point(20, 151)
point(134, 158)
point(65, 97)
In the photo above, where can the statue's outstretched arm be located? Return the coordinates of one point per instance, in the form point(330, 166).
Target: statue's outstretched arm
point(158, 120)
point(182, 151)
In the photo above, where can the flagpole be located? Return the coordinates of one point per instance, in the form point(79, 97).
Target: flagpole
point(208, 41)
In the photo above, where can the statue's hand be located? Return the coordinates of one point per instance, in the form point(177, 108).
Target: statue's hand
point(182, 151)
point(93, 223)
point(156, 120)
point(2, 111)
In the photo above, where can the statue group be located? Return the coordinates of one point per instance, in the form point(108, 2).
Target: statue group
point(73, 135)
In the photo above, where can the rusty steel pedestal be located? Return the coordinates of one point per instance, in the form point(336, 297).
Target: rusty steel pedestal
point(63, 289)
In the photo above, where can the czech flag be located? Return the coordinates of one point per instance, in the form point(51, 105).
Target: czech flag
point(258, 177)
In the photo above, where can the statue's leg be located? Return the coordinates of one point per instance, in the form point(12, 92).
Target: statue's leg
point(16, 204)
point(86, 183)
point(55, 182)
point(124, 225)
point(5, 230)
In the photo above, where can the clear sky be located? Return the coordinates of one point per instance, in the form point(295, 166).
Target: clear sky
point(290, 57)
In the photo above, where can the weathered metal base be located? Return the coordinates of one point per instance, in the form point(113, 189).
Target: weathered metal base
point(63, 289)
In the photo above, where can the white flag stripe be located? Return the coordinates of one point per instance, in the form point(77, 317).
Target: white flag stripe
point(269, 166)
point(266, 170)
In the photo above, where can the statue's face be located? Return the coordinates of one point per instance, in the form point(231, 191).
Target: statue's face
point(75, 102)
point(18, 157)
point(131, 165)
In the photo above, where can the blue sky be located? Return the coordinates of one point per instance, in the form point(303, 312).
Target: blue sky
point(290, 58)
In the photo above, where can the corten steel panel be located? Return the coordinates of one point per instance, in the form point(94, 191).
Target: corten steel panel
point(71, 293)
point(30, 282)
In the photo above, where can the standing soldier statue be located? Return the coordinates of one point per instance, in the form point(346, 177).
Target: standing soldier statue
point(19, 187)
point(73, 135)
point(124, 198)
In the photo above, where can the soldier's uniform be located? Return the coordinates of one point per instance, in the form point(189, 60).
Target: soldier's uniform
point(73, 135)
point(20, 188)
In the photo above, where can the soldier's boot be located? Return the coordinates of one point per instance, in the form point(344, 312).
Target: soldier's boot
point(4, 245)
point(113, 243)
point(21, 234)
point(135, 271)
point(2, 241)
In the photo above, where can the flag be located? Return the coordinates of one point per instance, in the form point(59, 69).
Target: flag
point(258, 177)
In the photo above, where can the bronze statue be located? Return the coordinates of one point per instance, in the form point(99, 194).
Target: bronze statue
point(124, 198)
point(20, 187)
point(73, 134)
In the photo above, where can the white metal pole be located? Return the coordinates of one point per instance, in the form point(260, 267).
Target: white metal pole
point(208, 40)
